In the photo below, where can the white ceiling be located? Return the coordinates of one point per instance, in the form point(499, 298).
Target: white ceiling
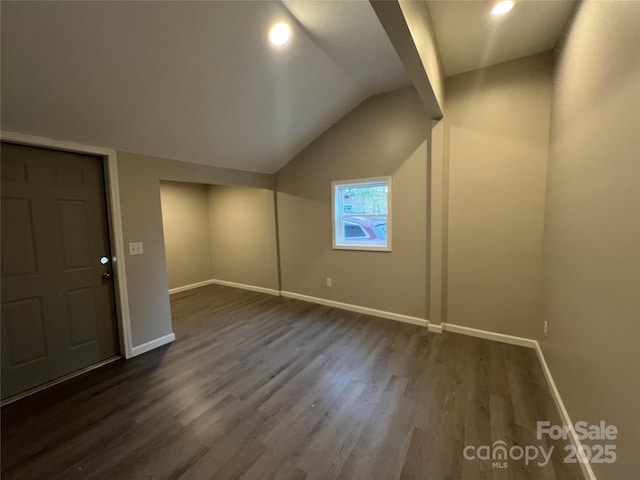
point(193, 81)
point(469, 37)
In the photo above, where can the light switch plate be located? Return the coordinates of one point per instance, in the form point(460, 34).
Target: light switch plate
point(135, 248)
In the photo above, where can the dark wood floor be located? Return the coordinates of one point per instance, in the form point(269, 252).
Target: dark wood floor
point(260, 387)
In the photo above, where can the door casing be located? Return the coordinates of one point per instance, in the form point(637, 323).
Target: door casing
point(109, 162)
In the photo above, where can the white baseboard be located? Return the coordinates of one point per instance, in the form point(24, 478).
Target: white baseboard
point(253, 288)
point(158, 342)
point(530, 343)
point(585, 466)
point(191, 286)
point(212, 281)
point(435, 328)
point(498, 337)
point(357, 308)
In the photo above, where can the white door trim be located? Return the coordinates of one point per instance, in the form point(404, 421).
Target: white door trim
point(115, 221)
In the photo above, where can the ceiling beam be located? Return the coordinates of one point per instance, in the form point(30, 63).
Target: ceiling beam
point(408, 26)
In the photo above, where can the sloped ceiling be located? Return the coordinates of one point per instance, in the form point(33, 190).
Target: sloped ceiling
point(351, 34)
point(469, 37)
point(193, 81)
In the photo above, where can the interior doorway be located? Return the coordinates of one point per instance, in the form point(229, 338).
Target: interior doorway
point(58, 304)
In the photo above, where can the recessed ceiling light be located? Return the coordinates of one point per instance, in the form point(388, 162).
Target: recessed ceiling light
point(503, 7)
point(279, 34)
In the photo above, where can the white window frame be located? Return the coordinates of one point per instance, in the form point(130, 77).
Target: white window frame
point(335, 218)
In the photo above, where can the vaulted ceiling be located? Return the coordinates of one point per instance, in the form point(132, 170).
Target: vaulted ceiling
point(193, 81)
point(470, 37)
point(199, 81)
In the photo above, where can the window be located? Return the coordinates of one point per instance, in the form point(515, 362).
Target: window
point(362, 214)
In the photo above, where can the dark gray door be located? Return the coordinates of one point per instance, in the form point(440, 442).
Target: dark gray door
point(58, 311)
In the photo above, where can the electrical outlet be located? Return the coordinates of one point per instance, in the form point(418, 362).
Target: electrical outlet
point(329, 282)
point(546, 329)
point(136, 248)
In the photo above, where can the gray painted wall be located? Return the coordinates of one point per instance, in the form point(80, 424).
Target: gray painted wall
point(592, 231)
point(496, 145)
point(187, 241)
point(139, 179)
point(384, 135)
point(242, 225)
point(219, 232)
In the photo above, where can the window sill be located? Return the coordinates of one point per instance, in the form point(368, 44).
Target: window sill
point(365, 249)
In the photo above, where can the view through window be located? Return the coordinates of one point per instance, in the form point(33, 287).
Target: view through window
point(362, 214)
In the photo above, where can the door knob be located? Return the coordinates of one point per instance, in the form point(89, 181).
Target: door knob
point(106, 276)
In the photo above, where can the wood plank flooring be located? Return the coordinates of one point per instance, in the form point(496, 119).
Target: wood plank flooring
point(262, 387)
